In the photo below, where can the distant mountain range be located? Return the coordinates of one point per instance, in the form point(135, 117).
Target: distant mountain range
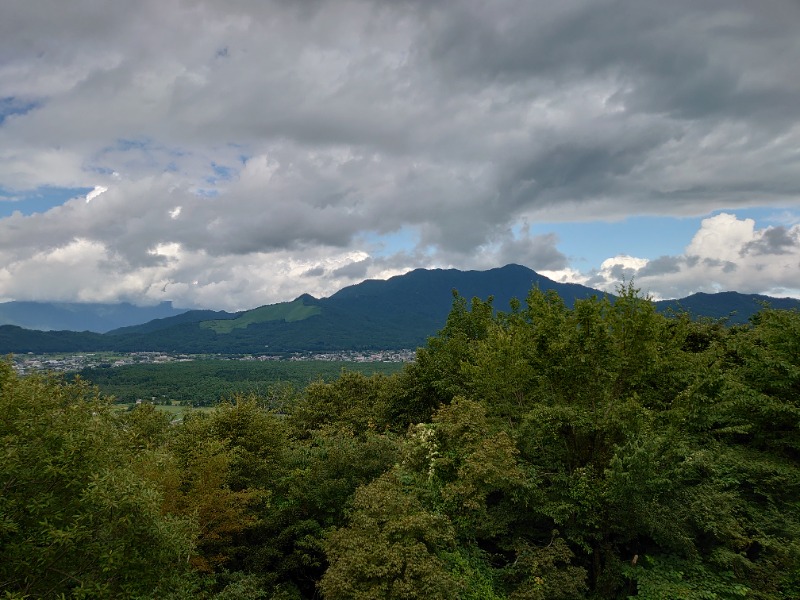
point(74, 316)
point(736, 307)
point(400, 312)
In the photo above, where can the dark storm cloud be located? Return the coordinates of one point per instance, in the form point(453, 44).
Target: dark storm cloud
point(684, 57)
point(314, 272)
point(674, 70)
point(356, 270)
point(661, 266)
point(725, 266)
point(538, 252)
point(774, 240)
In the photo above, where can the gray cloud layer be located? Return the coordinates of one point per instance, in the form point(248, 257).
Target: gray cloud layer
point(246, 143)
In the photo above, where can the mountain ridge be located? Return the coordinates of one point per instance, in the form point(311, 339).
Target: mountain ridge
point(400, 312)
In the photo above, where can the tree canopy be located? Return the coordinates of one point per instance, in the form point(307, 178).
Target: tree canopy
point(599, 451)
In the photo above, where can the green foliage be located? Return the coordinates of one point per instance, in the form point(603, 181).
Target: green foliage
point(469, 463)
point(546, 572)
point(222, 466)
point(74, 519)
point(681, 579)
point(353, 401)
point(391, 548)
point(633, 434)
point(320, 473)
point(598, 451)
point(434, 378)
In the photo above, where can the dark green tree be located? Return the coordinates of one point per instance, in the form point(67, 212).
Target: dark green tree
point(75, 519)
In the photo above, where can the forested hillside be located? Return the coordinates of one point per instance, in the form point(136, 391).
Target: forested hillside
point(548, 452)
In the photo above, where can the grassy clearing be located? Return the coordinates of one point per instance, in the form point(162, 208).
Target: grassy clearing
point(287, 311)
point(176, 410)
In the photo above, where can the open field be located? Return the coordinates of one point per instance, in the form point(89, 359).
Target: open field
point(177, 411)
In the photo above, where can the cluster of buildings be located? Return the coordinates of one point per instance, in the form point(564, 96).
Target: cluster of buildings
point(63, 363)
point(31, 363)
point(343, 356)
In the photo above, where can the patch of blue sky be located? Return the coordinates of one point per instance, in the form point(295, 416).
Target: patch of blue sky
point(144, 145)
point(381, 245)
point(11, 105)
point(767, 216)
point(587, 244)
point(136, 147)
point(220, 173)
point(126, 145)
point(138, 153)
point(39, 200)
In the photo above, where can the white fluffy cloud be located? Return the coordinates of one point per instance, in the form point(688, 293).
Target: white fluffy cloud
point(725, 254)
point(261, 141)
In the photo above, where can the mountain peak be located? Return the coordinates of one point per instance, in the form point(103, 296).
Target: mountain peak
point(306, 299)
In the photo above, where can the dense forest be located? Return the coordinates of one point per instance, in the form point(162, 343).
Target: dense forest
point(205, 382)
point(599, 451)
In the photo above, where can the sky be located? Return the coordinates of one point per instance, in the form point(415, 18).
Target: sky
point(231, 154)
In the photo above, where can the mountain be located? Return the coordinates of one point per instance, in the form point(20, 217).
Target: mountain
point(401, 312)
point(14, 339)
point(732, 306)
point(190, 316)
point(73, 316)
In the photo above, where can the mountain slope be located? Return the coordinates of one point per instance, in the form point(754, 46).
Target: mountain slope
point(428, 291)
point(192, 316)
point(289, 312)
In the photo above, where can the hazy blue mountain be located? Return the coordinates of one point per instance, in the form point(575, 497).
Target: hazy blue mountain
point(401, 312)
point(73, 316)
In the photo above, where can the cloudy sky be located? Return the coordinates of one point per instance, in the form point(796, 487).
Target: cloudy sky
point(234, 153)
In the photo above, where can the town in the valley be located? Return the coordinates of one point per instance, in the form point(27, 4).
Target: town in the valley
point(65, 363)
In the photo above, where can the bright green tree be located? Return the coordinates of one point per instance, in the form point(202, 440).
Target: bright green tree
point(393, 548)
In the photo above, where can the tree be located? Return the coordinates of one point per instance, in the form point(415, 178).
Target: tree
point(74, 518)
point(391, 548)
point(650, 446)
point(320, 474)
point(220, 469)
point(434, 378)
